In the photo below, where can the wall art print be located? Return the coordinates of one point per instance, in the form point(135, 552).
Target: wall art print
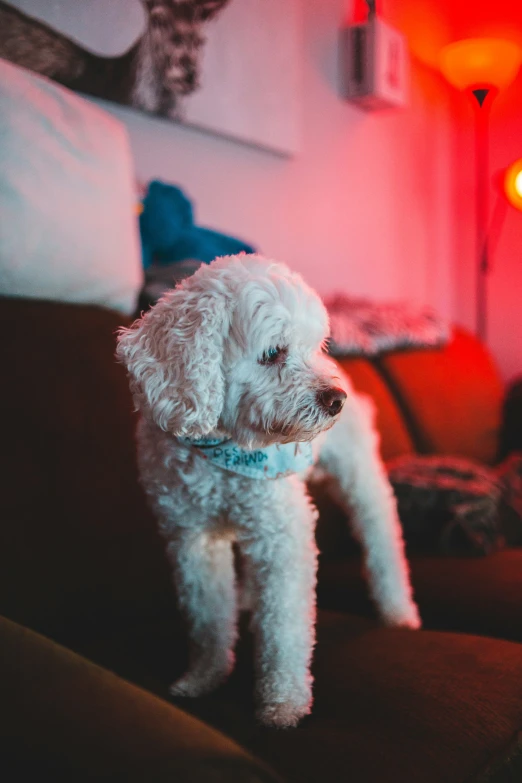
point(231, 67)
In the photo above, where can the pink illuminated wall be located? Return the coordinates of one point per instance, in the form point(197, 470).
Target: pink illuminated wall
point(429, 25)
point(376, 204)
point(505, 284)
point(505, 281)
point(364, 207)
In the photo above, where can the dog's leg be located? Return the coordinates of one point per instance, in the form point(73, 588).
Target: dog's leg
point(205, 581)
point(350, 456)
point(279, 547)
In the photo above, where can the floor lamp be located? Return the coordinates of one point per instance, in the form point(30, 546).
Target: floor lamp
point(481, 67)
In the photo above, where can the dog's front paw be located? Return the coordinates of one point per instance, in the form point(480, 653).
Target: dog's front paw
point(190, 686)
point(201, 680)
point(403, 617)
point(284, 715)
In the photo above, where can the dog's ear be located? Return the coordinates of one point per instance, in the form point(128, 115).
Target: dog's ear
point(174, 354)
point(204, 10)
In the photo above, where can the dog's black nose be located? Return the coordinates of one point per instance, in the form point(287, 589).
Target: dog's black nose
point(332, 400)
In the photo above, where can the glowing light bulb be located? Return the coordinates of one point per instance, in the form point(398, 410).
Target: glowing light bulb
point(513, 184)
point(518, 183)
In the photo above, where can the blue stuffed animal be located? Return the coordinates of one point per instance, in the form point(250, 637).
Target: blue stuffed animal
point(168, 232)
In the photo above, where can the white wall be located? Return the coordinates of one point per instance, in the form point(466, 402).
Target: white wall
point(365, 207)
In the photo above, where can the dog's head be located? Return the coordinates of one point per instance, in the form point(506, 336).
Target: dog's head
point(236, 349)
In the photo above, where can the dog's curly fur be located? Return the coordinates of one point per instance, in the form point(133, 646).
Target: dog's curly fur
point(198, 367)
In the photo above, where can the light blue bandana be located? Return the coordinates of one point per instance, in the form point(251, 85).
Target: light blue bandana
point(272, 462)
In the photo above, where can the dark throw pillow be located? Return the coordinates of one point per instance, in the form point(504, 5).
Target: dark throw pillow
point(451, 505)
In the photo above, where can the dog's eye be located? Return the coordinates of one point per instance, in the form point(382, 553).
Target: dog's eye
point(275, 355)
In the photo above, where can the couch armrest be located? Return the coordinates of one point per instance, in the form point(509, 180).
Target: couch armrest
point(511, 429)
point(61, 714)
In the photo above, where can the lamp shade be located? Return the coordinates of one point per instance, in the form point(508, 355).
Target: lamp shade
point(480, 62)
point(513, 184)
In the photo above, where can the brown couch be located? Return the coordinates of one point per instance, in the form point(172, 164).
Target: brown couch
point(91, 636)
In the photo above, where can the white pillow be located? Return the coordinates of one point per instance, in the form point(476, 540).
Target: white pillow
point(68, 223)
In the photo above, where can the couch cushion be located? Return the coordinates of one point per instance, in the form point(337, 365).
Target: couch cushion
point(65, 718)
point(390, 706)
point(78, 546)
point(475, 595)
point(395, 439)
point(451, 397)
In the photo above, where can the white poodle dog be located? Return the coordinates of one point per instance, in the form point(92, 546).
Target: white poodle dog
point(236, 392)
